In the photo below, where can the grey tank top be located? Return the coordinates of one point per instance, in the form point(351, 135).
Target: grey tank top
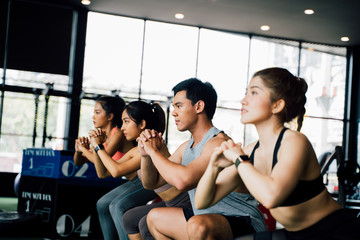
point(234, 204)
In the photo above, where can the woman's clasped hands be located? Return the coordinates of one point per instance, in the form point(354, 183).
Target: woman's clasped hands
point(225, 155)
point(82, 143)
point(97, 136)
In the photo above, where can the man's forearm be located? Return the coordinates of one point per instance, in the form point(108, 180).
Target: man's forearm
point(172, 173)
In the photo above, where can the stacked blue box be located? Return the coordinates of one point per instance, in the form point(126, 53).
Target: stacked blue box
point(48, 163)
point(62, 194)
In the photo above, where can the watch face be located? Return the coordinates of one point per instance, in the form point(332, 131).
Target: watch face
point(97, 148)
point(245, 157)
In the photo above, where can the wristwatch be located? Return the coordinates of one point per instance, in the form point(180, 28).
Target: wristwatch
point(98, 147)
point(240, 159)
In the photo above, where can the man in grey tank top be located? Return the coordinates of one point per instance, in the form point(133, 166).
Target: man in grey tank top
point(194, 106)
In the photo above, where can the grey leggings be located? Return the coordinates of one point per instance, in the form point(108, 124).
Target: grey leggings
point(115, 203)
point(135, 219)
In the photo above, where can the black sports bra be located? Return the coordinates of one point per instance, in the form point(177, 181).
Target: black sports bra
point(304, 190)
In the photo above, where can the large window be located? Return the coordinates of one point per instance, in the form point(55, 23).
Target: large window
point(169, 53)
point(141, 59)
point(223, 61)
point(24, 126)
point(86, 113)
point(273, 53)
point(17, 125)
point(325, 76)
point(113, 54)
point(169, 57)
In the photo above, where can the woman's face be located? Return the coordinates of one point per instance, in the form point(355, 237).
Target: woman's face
point(130, 129)
point(100, 119)
point(256, 105)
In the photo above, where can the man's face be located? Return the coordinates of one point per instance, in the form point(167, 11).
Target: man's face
point(184, 112)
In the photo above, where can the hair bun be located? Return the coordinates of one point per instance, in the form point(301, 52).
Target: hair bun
point(290, 88)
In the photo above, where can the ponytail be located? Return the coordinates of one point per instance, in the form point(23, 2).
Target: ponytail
point(300, 101)
point(159, 117)
point(152, 113)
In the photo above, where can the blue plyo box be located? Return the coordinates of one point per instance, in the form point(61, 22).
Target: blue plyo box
point(56, 164)
point(49, 163)
point(62, 194)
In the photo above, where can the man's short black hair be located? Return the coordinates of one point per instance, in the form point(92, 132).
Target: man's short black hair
point(197, 90)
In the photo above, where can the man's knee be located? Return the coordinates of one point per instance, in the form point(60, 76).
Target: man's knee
point(197, 227)
point(151, 217)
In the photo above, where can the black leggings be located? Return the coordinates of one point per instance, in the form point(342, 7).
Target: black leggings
point(135, 219)
point(341, 224)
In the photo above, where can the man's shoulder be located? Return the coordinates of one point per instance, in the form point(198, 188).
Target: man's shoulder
point(182, 147)
point(222, 136)
point(218, 139)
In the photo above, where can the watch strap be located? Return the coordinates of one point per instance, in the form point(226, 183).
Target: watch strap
point(244, 157)
point(240, 159)
point(98, 147)
point(237, 162)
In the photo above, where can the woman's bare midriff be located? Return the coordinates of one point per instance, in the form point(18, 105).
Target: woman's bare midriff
point(169, 194)
point(303, 215)
point(131, 176)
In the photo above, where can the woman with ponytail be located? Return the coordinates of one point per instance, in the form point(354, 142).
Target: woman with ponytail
point(280, 169)
point(136, 117)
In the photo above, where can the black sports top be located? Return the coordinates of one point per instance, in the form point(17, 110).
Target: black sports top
point(304, 190)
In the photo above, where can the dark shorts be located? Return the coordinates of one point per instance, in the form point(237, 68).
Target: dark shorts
point(240, 225)
point(188, 213)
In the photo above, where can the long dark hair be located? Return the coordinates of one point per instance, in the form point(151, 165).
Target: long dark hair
point(114, 105)
point(286, 86)
point(152, 113)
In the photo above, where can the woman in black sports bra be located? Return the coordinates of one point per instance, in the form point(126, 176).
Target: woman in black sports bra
point(281, 169)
